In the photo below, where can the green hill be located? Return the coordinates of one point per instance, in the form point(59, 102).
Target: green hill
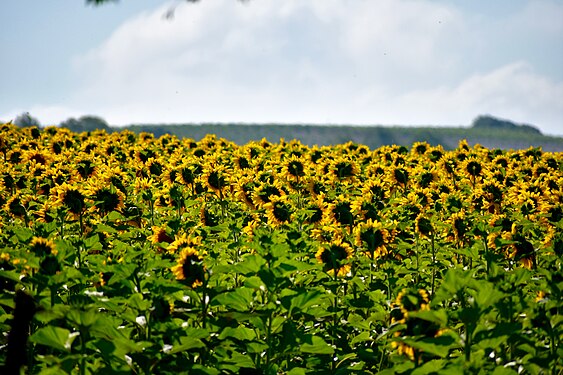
point(372, 136)
point(486, 130)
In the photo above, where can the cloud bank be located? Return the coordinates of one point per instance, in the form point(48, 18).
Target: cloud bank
point(316, 61)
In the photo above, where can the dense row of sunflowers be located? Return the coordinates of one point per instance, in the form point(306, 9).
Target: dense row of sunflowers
point(158, 255)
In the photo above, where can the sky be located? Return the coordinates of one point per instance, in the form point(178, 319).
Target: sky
point(363, 62)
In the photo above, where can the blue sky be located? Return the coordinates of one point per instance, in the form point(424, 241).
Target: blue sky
point(419, 62)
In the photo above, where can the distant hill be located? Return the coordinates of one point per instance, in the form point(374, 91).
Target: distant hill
point(486, 130)
point(372, 136)
point(490, 122)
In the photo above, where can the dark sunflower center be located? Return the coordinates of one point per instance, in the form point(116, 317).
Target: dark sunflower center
point(192, 269)
point(343, 214)
point(74, 201)
point(216, 181)
point(106, 200)
point(282, 212)
point(344, 170)
point(373, 238)
point(295, 168)
point(401, 175)
point(41, 249)
point(333, 256)
point(474, 168)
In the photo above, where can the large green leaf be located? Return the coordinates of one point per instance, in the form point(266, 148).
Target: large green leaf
point(54, 337)
point(238, 300)
point(315, 345)
point(186, 344)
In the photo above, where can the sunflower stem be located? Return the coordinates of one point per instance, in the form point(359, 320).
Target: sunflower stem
point(433, 262)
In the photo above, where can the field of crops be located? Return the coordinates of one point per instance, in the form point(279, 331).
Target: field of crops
point(123, 253)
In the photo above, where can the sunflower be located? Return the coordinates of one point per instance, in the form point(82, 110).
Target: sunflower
point(190, 269)
point(160, 235)
point(70, 197)
point(215, 177)
point(344, 169)
point(244, 188)
point(420, 148)
point(182, 242)
point(334, 257)
point(460, 226)
point(208, 217)
point(472, 168)
point(373, 237)
point(407, 302)
point(341, 212)
point(399, 176)
point(424, 226)
point(41, 247)
point(279, 211)
point(523, 251)
point(265, 192)
point(15, 206)
point(294, 168)
point(107, 199)
point(315, 212)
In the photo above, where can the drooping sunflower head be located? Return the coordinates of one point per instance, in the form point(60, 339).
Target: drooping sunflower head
point(279, 210)
point(424, 226)
point(294, 168)
point(190, 268)
point(42, 247)
point(399, 176)
point(215, 177)
point(341, 212)
point(182, 242)
point(160, 235)
point(411, 300)
point(107, 199)
point(373, 237)
point(71, 198)
point(523, 251)
point(460, 226)
point(15, 206)
point(335, 256)
point(208, 216)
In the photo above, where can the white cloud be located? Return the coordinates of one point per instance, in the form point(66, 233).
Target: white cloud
point(318, 61)
point(513, 91)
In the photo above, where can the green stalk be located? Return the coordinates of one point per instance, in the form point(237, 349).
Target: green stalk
point(433, 262)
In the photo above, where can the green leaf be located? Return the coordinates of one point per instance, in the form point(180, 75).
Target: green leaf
point(362, 337)
point(439, 346)
point(439, 317)
point(186, 344)
point(487, 295)
point(239, 333)
point(500, 370)
point(316, 345)
point(297, 371)
point(23, 234)
point(303, 301)
point(256, 347)
point(430, 367)
point(55, 337)
point(105, 228)
point(238, 300)
point(250, 265)
point(254, 282)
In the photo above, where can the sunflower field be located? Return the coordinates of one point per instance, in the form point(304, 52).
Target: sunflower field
point(122, 253)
